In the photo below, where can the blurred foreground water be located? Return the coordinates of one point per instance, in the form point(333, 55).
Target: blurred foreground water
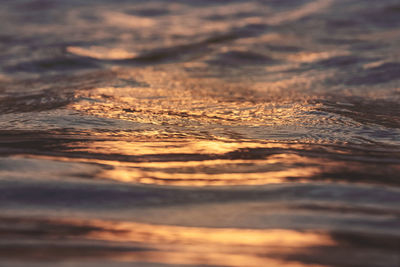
point(200, 133)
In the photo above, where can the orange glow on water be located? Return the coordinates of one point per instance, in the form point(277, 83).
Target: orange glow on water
point(100, 52)
point(200, 133)
point(159, 234)
point(199, 162)
point(201, 246)
point(135, 148)
point(206, 179)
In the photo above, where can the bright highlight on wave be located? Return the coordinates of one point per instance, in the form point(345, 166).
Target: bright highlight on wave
point(138, 242)
point(100, 52)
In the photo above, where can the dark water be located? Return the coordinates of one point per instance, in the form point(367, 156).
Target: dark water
point(200, 133)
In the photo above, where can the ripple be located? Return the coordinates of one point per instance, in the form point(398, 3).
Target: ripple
point(99, 52)
point(136, 242)
point(220, 133)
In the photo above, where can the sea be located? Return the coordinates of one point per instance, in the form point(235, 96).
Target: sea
point(200, 133)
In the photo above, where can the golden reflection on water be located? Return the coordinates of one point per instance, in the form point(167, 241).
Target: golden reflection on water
point(100, 52)
point(204, 246)
point(204, 112)
point(158, 234)
point(183, 110)
point(198, 162)
point(281, 168)
point(173, 97)
point(162, 174)
point(158, 147)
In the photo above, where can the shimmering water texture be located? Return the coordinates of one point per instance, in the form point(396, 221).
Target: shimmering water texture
point(200, 133)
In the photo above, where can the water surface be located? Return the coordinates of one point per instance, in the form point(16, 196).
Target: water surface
point(200, 133)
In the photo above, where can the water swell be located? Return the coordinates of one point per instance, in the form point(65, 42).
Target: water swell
point(221, 133)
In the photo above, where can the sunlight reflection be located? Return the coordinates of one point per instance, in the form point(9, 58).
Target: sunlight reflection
point(159, 234)
point(135, 148)
point(202, 162)
point(204, 246)
point(100, 52)
point(190, 170)
point(212, 173)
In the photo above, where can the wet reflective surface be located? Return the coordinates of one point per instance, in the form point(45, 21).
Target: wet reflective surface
point(200, 133)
